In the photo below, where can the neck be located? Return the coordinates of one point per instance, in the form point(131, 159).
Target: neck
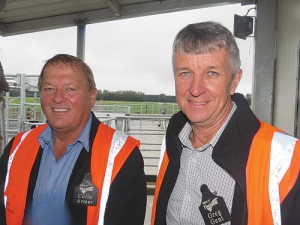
point(200, 137)
point(61, 142)
point(203, 133)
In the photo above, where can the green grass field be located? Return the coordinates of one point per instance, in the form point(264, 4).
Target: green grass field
point(135, 107)
point(144, 107)
point(16, 100)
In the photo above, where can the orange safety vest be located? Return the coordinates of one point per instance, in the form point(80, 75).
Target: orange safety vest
point(106, 162)
point(279, 155)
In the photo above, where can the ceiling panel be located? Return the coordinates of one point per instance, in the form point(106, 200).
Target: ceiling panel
point(23, 16)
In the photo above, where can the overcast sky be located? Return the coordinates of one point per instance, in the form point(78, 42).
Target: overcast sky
point(130, 54)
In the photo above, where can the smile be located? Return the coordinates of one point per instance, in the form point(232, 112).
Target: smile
point(60, 110)
point(199, 103)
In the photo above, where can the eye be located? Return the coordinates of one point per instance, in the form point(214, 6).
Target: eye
point(48, 89)
point(212, 73)
point(71, 89)
point(185, 74)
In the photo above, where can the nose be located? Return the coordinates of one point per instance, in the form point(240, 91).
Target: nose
point(58, 96)
point(197, 86)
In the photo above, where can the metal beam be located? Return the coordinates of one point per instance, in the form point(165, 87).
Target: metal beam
point(114, 6)
point(244, 2)
point(102, 15)
point(13, 5)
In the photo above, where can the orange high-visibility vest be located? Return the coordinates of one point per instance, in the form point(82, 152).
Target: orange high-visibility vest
point(106, 162)
point(272, 169)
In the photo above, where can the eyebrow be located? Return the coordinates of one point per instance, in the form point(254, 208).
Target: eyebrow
point(212, 67)
point(184, 68)
point(47, 83)
point(66, 85)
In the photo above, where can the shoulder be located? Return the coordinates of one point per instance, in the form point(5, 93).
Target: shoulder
point(177, 122)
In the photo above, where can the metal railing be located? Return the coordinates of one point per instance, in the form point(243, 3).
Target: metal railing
point(146, 122)
point(149, 129)
point(146, 108)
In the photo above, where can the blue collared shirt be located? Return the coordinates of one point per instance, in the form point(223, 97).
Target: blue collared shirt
point(50, 191)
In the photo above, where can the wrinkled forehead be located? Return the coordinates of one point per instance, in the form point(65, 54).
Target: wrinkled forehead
point(60, 70)
point(221, 56)
point(215, 59)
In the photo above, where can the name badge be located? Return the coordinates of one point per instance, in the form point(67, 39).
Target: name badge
point(86, 193)
point(213, 208)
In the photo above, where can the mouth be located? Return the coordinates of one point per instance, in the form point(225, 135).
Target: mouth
point(198, 103)
point(60, 110)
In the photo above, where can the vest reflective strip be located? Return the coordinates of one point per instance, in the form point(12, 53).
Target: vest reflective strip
point(162, 167)
point(282, 150)
point(10, 160)
point(162, 153)
point(118, 141)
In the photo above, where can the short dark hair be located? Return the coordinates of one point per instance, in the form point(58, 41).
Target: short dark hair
point(72, 61)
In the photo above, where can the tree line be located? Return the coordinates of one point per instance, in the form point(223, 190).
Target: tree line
point(132, 96)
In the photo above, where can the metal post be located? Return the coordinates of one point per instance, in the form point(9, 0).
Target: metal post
point(81, 24)
point(265, 61)
point(6, 114)
point(22, 101)
point(4, 87)
point(34, 107)
point(2, 124)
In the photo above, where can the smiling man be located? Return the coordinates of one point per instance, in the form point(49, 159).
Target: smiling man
point(219, 164)
point(74, 169)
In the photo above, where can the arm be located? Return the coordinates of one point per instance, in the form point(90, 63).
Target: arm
point(3, 170)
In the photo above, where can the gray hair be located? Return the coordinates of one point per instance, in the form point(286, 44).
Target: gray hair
point(207, 37)
point(72, 61)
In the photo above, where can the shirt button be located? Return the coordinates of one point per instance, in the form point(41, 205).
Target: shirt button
point(52, 180)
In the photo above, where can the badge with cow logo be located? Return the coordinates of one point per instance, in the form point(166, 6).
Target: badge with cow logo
point(213, 208)
point(86, 193)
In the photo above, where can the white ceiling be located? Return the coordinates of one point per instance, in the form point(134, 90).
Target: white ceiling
point(23, 16)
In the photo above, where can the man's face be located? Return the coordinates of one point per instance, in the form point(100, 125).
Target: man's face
point(65, 100)
point(203, 84)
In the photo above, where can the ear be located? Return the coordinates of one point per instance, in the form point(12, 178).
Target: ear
point(93, 96)
point(236, 81)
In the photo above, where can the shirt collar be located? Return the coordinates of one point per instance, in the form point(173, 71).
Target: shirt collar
point(46, 137)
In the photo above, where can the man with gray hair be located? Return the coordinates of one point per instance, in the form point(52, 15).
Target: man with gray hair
point(219, 163)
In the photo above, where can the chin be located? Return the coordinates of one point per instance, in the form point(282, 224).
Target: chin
point(194, 118)
point(58, 124)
